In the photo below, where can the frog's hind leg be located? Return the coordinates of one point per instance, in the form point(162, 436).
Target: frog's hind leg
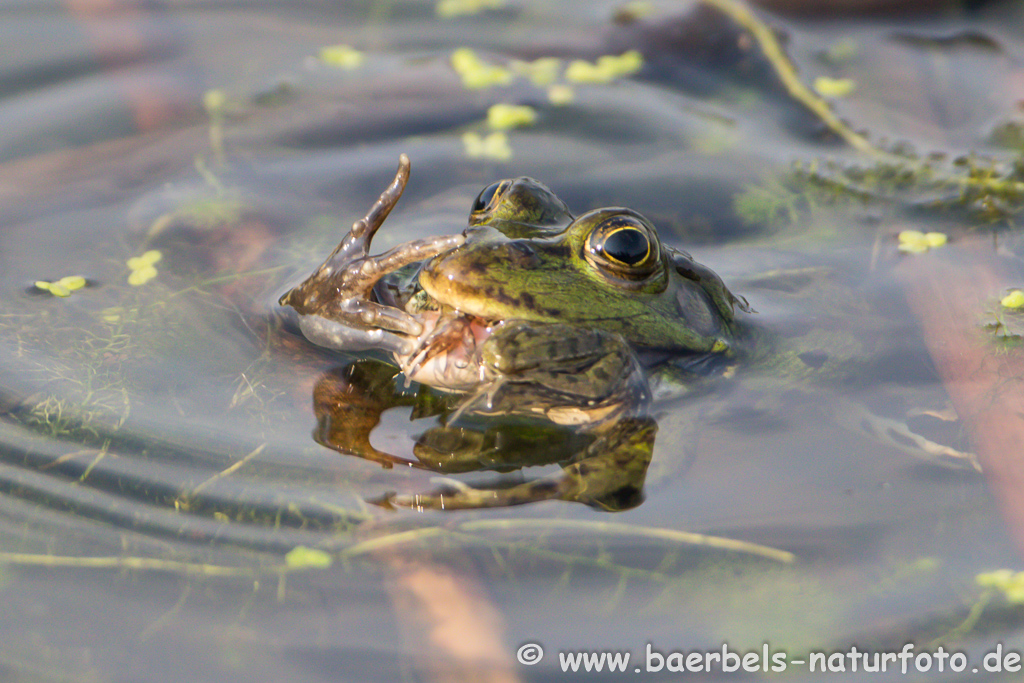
point(608, 475)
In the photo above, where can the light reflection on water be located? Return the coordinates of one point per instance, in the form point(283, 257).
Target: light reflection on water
point(171, 425)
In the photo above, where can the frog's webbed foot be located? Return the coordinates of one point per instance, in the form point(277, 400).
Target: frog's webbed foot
point(898, 435)
point(336, 303)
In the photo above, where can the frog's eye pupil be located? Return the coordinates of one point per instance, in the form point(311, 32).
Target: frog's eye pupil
point(486, 197)
point(628, 245)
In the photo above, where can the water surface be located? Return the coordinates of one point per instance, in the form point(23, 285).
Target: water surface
point(158, 467)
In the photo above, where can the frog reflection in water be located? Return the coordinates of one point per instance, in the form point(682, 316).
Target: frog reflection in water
point(544, 328)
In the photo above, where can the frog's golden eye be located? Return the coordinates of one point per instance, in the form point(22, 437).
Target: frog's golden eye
point(627, 245)
point(490, 196)
point(624, 245)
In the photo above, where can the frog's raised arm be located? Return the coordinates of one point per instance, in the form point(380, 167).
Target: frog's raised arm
point(335, 304)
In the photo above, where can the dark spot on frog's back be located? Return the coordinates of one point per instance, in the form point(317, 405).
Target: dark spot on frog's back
point(500, 295)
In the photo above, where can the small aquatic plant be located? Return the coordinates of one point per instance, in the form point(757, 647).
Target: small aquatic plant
point(606, 69)
point(341, 56)
point(143, 268)
point(834, 87)
point(917, 242)
point(446, 9)
point(477, 74)
point(505, 116)
point(62, 287)
point(1013, 300)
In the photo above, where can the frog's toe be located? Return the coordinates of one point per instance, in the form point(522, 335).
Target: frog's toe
point(363, 313)
point(374, 218)
point(360, 275)
point(335, 335)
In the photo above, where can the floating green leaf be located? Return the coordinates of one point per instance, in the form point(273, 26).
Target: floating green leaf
point(560, 95)
point(606, 69)
point(505, 116)
point(834, 87)
point(477, 74)
point(341, 56)
point(446, 9)
point(142, 267)
point(493, 146)
point(917, 242)
point(62, 287)
point(301, 557)
point(1006, 581)
point(1015, 299)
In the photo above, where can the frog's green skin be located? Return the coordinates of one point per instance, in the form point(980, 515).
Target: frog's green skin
point(532, 313)
point(554, 275)
point(523, 258)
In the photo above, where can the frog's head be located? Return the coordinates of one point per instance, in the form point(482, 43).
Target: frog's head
point(605, 270)
point(519, 207)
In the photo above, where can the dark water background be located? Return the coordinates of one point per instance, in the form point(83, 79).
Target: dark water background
point(124, 407)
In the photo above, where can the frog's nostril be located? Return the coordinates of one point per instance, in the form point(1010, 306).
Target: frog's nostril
point(522, 255)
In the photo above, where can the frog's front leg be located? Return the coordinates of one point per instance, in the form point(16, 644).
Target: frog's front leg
point(336, 305)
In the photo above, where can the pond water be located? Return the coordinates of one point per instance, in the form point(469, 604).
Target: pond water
point(168, 510)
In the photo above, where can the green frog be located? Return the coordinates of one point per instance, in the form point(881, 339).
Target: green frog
point(548, 333)
point(550, 322)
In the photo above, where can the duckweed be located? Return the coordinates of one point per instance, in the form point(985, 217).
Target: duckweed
point(493, 146)
point(477, 74)
point(341, 56)
point(561, 95)
point(917, 242)
point(446, 9)
point(301, 557)
point(1006, 581)
point(143, 268)
point(506, 116)
point(834, 87)
point(1015, 299)
point(62, 287)
point(606, 69)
